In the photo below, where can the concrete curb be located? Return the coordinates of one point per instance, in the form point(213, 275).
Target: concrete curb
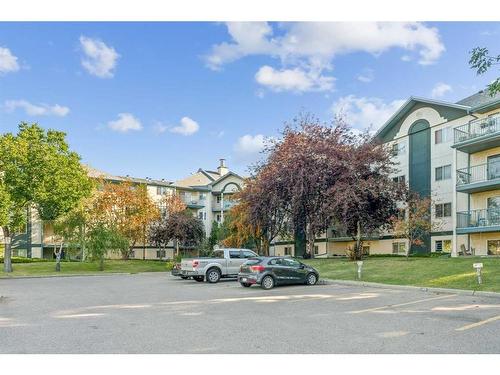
point(410, 287)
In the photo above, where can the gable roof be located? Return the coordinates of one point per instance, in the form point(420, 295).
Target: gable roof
point(408, 106)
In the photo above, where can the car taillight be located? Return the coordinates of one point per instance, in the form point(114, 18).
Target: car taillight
point(259, 268)
point(195, 263)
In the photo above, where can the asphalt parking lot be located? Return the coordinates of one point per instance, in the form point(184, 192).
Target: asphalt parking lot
point(157, 313)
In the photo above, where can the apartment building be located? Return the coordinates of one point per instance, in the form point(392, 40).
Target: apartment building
point(449, 152)
point(207, 193)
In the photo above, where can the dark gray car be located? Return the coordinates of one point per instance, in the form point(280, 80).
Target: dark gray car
point(271, 271)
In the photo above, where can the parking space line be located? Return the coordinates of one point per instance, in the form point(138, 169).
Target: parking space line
point(482, 322)
point(402, 304)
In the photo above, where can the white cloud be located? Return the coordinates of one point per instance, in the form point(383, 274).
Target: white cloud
point(100, 59)
point(36, 109)
point(125, 122)
point(296, 80)
point(305, 49)
point(362, 112)
point(187, 127)
point(248, 147)
point(440, 90)
point(366, 76)
point(8, 62)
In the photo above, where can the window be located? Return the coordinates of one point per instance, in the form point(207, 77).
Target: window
point(443, 210)
point(161, 253)
point(443, 135)
point(288, 250)
point(366, 250)
point(291, 263)
point(218, 198)
point(202, 196)
point(398, 149)
point(161, 190)
point(443, 173)
point(493, 247)
point(493, 167)
point(218, 218)
point(399, 247)
point(316, 249)
point(276, 262)
point(233, 254)
point(248, 254)
point(443, 245)
point(399, 179)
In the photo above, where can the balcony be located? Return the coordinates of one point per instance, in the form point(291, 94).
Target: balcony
point(476, 221)
point(478, 135)
point(194, 203)
point(226, 206)
point(479, 178)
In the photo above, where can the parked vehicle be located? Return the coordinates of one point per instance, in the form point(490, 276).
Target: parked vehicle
point(176, 271)
point(224, 263)
point(271, 271)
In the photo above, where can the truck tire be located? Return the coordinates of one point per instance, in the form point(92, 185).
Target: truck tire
point(267, 282)
point(198, 278)
point(184, 277)
point(213, 275)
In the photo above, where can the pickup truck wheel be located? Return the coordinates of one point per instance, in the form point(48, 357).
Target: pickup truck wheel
point(267, 282)
point(246, 285)
point(311, 279)
point(213, 275)
point(184, 277)
point(198, 278)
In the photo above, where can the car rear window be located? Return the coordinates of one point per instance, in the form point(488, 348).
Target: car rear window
point(252, 262)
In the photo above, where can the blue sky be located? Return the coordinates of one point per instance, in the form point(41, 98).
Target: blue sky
point(163, 99)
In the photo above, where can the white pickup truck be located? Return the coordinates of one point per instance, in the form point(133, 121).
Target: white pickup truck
point(224, 263)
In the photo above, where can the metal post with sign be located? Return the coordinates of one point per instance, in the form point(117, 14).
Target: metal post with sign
point(360, 267)
point(478, 267)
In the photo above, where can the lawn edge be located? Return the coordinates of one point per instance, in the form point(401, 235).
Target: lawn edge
point(76, 275)
point(411, 287)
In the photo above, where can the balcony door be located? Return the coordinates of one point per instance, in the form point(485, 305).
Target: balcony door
point(494, 210)
point(493, 167)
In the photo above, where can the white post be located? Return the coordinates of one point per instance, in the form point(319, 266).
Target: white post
point(222, 207)
point(454, 247)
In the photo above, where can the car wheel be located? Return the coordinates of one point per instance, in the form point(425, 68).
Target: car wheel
point(198, 278)
point(267, 282)
point(311, 279)
point(246, 285)
point(213, 275)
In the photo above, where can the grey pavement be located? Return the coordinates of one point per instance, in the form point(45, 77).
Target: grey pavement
point(157, 313)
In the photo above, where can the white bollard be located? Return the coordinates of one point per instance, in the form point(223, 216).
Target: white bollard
point(360, 266)
point(478, 267)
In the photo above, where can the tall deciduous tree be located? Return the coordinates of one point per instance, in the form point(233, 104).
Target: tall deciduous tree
point(364, 197)
point(41, 172)
point(237, 229)
point(128, 209)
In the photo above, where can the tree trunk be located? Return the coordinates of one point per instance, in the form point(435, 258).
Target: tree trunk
point(176, 248)
point(310, 243)
point(58, 254)
point(82, 242)
point(28, 232)
point(101, 263)
point(357, 250)
point(7, 257)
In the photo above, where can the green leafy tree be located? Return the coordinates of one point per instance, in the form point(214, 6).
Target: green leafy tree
point(41, 172)
point(482, 61)
point(214, 237)
point(101, 239)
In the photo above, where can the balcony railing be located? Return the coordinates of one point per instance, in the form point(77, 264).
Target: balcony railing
point(478, 173)
point(476, 129)
point(226, 206)
point(478, 218)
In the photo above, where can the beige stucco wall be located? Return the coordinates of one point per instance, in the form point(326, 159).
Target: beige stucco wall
point(479, 241)
point(482, 156)
point(480, 200)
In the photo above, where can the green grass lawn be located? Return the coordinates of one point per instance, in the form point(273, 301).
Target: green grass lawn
point(430, 272)
point(68, 268)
